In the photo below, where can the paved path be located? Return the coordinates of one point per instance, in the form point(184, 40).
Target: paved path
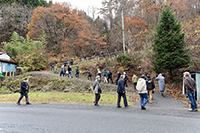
point(165, 103)
point(74, 118)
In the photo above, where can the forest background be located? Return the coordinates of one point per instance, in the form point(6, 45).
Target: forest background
point(35, 33)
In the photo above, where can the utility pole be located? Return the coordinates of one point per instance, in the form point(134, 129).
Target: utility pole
point(123, 29)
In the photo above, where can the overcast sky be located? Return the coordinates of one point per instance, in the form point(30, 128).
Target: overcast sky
point(81, 4)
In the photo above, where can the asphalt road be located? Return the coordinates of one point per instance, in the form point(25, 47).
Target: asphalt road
point(74, 118)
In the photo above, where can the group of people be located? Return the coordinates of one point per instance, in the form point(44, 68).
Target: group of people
point(68, 72)
point(144, 85)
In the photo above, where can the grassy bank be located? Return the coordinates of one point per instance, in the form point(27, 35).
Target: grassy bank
point(60, 97)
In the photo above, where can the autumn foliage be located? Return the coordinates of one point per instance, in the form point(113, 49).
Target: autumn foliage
point(66, 29)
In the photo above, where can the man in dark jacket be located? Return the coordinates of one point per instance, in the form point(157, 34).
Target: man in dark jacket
point(110, 76)
point(70, 72)
point(52, 66)
point(125, 79)
point(118, 77)
point(150, 87)
point(121, 92)
point(72, 61)
point(89, 75)
point(190, 87)
point(77, 73)
point(24, 91)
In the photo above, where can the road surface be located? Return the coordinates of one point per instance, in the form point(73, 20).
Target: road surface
point(75, 118)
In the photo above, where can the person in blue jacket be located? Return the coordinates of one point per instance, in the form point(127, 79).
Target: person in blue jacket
point(121, 92)
point(24, 91)
point(52, 66)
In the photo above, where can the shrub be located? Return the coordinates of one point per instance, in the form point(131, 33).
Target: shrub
point(127, 59)
point(26, 52)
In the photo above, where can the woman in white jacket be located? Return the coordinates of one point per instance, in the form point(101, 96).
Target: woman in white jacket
point(142, 90)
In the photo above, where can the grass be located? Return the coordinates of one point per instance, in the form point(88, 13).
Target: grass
point(60, 97)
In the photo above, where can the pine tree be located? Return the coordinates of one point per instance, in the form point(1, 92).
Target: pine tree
point(169, 45)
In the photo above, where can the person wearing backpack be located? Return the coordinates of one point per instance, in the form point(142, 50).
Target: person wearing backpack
point(89, 75)
point(110, 76)
point(150, 87)
point(118, 77)
point(52, 66)
point(105, 74)
point(65, 63)
point(125, 79)
point(77, 73)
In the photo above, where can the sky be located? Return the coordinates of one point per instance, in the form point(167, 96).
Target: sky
point(81, 4)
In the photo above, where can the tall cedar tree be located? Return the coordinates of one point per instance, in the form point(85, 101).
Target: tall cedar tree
point(169, 46)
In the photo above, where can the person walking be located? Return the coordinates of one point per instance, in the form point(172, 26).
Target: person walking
point(24, 91)
point(161, 84)
point(110, 76)
point(150, 87)
point(70, 72)
point(99, 73)
point(65, 63)
point(77, 73)
point(118, 77)
point(142, 90)
point(125, 79)
point(190, 88)
point(105, 74)
point(72, 61)
point(97, 90)
point(52, 66)
point(134, 80)
point(62, 70)
point(121, 92)
point(86, 57)
point(89, 75)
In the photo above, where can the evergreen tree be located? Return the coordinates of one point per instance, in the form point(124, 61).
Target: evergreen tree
point(29, 3)
point(169, 46)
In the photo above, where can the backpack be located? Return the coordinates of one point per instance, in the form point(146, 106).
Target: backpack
point(126, 77)
point(90, 73)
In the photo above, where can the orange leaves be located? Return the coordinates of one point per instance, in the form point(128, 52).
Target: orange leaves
point(135, 22)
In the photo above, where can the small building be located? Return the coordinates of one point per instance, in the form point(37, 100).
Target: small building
point(7, 65)
point(196, 76)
